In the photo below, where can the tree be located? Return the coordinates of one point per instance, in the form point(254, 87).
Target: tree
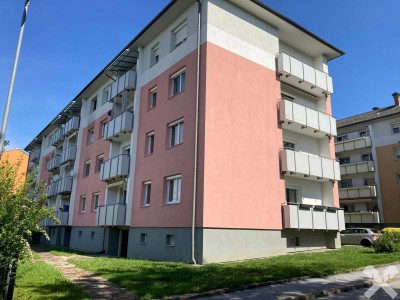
point(21, 210)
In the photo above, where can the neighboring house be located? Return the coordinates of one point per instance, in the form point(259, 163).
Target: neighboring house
point(20, 158)
point(368, 148)
point(212, 152)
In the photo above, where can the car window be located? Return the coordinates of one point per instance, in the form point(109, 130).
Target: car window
point(363, 231)
point(374, 231)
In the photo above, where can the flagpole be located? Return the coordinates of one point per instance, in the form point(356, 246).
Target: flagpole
point(14, 71)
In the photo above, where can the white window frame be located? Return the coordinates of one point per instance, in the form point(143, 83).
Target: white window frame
point(178, 82)
point(155, 54)
point(143, 238)
point(175, 133)
point(106, 93)
point(86, 168)
point(370, 158)
point(82, 206)
point(396, 155)
point(152, 98)
point(91, 135)
point(179, 35)
point(96, 200)
point(103, 125)
point(98, 164)
point(93, 104)
point(147, 193)
point(150, 143)
point(395, 126)
point(170, 240)
point(173, 189)
point(342, 138)
point(398, 179)
point(92, 235)
point(297, 191)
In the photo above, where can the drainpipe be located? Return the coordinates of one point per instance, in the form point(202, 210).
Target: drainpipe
point(196, 134)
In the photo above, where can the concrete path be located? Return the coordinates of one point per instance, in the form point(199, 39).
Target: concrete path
point(96, 287)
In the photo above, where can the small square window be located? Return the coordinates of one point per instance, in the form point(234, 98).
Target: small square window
point(92, 235)
point(292, 195)
point(86, 168)
point(175, 133)
point(395, 127)
point(173, 189)
point(154, 54)
point(178, 35)
point(342, 138)
point(93, 104)
point(178, 82)
point(366, 157)
point(344, 160)
point(170, 240)
point(100, 162)
point(95, 205)
point(146, 193)
point(152, 98)
point(79, 234)
point(364, 133)
point(346, 184)
point(83, 204)
point(91, 135)
point(150, 143)
point(143, 238)
point(288, 145)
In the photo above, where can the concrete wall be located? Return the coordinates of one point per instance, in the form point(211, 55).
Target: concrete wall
point(313, 240)
point(84, 242)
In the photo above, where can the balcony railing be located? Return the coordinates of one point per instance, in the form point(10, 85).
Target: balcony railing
point(71, 126)
point(64, 185)
point(357, 167)
point(60, 215)
point(368, 191)
point(115, 169)
point(54, 163)
point(51, 189)
point(303, 76)
point(353, 144)
point(68, 154)
point(119, 127)
point(303, 216)
point(111, 215)
point(34, 155)
point(125, 82)
point(306, 120)
point(309, 166)
point(359, 217)
point(57, 138)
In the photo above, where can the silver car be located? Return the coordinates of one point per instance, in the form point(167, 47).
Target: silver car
point(359, 236)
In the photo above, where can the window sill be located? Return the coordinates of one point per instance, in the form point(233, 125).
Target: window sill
point(145, 206)
point(169, 246)
point(151, 108)
point(148, 154)
point(176, 94)
point(169, 147)
point(173, 203)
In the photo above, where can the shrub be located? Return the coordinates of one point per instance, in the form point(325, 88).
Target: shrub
point(388, 242)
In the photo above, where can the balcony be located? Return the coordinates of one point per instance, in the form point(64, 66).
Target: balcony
point(303, 216)
point(120, 127)
point(34, 155)
point(57, 138)
point(68, 154)
point(54, 163)
point(51, 189)
point(368, 191)
point(354, 144)
point(305, 120)
point(357, 167)
point(115, 169)
point(60, 215)
point(111, 215)
point(303, 76)
point(64, 185)
point(309, 166)
point(71, 126)
point(125, 82)
point(360, 217)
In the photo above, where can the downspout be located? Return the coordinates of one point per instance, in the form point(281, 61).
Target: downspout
point(196, 132)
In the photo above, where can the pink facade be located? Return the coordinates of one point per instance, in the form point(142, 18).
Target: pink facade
point(44, 174)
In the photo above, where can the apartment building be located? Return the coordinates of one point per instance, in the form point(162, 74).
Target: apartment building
point(368, 149)
point(209, 138)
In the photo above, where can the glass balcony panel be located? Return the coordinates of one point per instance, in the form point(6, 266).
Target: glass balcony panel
point(64, 185)
point(54, 163)
point(111, 215)
point(119, 127)
point(71, 126)
point(115, 168)
point(68, 154)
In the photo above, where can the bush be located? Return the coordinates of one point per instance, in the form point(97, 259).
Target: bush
point(388, 242)
point(391, 229)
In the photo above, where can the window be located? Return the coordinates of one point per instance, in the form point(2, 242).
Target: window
point(169, 240)
point(83, 204)
point(106, 94)
point(173, 194)
point(294, 241)
point(150, 143)
point(178, 35)
point(395, 127)
point(153, 98)
point(93, 104)
point(86, 168)
point(92, 234)
point(369, 181)
point(287, 97)
point(364, 133)
point(346, 184)
point(79, 234)
point(154, 54)
point(102, 129)
point(398, 178)
point(175, 133)
point(349, 207)
point(100, 162)
point(397, 153)
point(143, 238)
point(342, 138)
point(91, 135)
point(366, 157)
point(146, 193)
point(178, 82)
point(96, 197)
point(344, 160)
point(288, 145)
point(292, 195)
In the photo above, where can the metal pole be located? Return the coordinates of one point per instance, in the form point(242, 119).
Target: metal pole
point(14, 71)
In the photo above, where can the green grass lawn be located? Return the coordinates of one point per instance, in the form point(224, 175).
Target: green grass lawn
point(62, 251)
point(150, 279)
point(39, 281)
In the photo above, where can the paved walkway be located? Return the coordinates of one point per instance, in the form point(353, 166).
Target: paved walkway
point(97, 287)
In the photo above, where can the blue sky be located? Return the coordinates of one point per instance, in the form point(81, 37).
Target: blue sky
point(67, 43)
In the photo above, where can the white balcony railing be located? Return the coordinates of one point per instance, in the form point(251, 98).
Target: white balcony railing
point(34, 155)
point(309, 166)
point(119, 127)
point(357, 167)
point(306, 120)
point(64, 185)
point(71, 126)
point(116, 168)
point(51, 189)
point(125, 82)
point(68, 154)
point(54, 163)
point(303, 76)
point(302, 216)
point(353, 144)
point(360, 217)
point(111, 215)
point(57, 137)
point(368, 191)
point(60, 215)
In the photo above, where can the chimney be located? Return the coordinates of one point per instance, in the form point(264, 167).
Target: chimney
point(396, 97)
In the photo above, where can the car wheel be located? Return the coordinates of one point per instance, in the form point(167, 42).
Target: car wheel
point(366, 243)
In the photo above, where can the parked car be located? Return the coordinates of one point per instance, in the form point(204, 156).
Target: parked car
point(359, 236)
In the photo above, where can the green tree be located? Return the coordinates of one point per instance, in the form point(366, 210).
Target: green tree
point(21, 210)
